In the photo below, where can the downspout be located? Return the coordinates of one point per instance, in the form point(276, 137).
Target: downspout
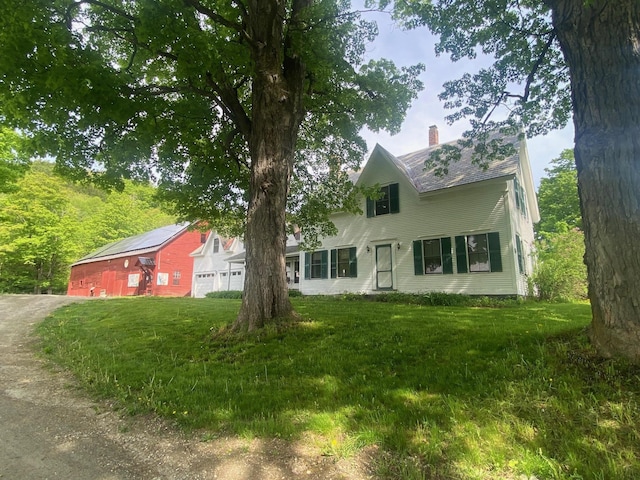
point(154, 281)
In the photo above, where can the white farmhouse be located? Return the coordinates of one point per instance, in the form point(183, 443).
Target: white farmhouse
point(470, 231)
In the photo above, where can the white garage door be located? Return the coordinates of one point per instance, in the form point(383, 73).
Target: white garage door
point(237, 282)
point(204, 283)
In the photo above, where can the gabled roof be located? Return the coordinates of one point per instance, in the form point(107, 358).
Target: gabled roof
point(462, 172)
point(138, 244)
point(225, 243)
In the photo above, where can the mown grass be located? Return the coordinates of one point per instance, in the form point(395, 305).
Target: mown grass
point(445, 392)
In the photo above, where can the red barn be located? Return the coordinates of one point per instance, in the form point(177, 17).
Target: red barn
point(153, 263)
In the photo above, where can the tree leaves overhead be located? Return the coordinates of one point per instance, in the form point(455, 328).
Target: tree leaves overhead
point(13, 160)
point(162, 88)
point(525, 87)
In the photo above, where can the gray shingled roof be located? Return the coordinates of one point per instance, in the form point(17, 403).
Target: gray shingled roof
point(143, 242)
point(462, 172)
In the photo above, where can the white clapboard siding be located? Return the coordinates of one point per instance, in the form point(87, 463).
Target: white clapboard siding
point(477, 208)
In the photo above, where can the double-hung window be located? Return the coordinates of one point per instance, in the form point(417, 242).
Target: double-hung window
point(478, 253)
point(344, 263)
point(316, 264)
point(432, 256)
point(388, 201)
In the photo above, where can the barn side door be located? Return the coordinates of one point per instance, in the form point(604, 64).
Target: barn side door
point(107, 283)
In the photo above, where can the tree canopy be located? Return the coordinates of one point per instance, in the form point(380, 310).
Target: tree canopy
point(164, 88)
point(560, 272)
point(13, 161)
point(558, 197)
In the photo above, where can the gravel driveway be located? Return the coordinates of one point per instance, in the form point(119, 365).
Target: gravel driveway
point(48, 430)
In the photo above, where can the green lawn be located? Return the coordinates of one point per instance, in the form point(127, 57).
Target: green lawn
point(445, 392)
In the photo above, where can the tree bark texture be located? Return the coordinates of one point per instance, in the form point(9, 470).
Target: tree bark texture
point(600, 40)
point(277, 111)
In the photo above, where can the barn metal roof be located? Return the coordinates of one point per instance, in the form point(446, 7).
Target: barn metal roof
point(138, 244)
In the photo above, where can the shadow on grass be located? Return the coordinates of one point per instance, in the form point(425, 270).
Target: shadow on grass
point(445, 392)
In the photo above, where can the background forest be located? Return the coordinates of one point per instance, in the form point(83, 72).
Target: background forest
point(47, 223)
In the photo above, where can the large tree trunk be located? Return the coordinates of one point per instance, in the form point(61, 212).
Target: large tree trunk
point(276, 115)
point(601, 44)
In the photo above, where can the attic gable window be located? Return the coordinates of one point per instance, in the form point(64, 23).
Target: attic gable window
point(387, 202)
point(216, 245)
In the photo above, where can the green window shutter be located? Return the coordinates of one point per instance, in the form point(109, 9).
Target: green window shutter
point(418, 268)
point(353, 262)
point(371, 206)
point(495, 257)
point(307, 265)
point(394, 198)
point(519, 250)
point(516, 188)
point(324, 268)
point(461, 254)
point(334, 263)
point(447, 258)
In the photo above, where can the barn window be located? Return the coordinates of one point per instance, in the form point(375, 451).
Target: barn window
point(176, 277)
point(203, 237)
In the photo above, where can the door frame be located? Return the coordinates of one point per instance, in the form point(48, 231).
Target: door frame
point(391, 269)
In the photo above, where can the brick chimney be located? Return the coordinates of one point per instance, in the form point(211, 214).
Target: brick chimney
point(433, 135)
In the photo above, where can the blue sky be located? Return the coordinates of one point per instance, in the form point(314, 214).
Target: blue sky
point(417, 46)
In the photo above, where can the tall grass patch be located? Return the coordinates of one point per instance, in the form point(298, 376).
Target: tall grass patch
point(445, 392)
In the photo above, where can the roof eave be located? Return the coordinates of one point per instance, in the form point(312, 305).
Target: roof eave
point(131, 253)
point(494, 180)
